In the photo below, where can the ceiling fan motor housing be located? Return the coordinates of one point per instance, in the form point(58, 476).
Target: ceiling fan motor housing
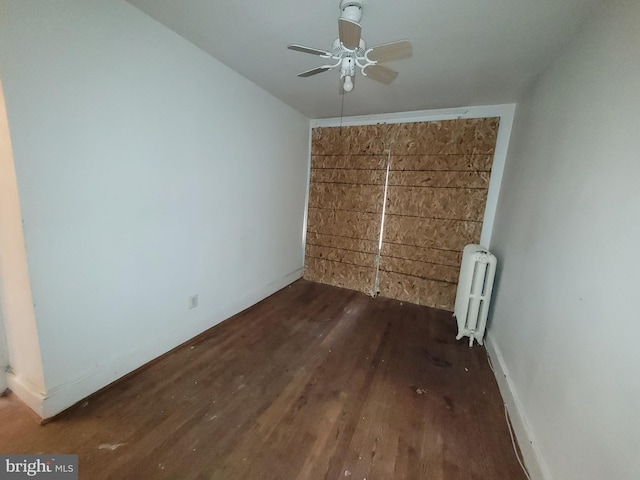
point(339, 51)
point(351, 10)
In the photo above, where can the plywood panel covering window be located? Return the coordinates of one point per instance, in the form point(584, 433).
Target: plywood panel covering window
point(348, 169)
point(436, 193)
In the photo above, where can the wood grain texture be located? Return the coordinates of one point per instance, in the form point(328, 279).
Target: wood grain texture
point(357, 140)
point(437, 190)
point(347, 176)
point(433, 162)
point(340, 274)
point(349, 162)
point(418, 269)
point(440, 179)
point(345, 224)
point(438, 186)
point(314, 382)
point(363, 259)
point(335, 196)
point(451, 258)
point(418, 289)
point(463, 136)
point(433, 233)
point(345, 211)
point(353, 244)
point(429, 202)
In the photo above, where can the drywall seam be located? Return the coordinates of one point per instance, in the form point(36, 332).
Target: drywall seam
point(532, 456)
point(63, 396)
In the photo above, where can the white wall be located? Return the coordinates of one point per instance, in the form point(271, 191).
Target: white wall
point(565, 318)
point(4, 357)
point(17, 314)
point(147, 172)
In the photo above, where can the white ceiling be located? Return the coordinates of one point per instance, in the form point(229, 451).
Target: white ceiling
point(465, 52)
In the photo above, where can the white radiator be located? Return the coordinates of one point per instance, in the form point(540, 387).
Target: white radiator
point(477, 272)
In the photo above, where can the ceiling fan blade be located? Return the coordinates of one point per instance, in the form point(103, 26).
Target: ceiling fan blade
point(349, 33)
point(388, 52)
point(380, 73)
point(312, 51)
point(314, 71)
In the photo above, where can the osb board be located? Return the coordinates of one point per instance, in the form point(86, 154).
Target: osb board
point(356, 140)
point(431, 232)
point(361, 198)
point(423, 254)
point(461, 136)
point(348, 176)
point(421, 270)
point(423, 292)
point(479, 163)
point(453, 203)
point(338, 274)
point(442, 179)
point(349, 162)
point(436, 198)
point(345, 206)
point(354, 225)
point(341, 255)
point(353, 244)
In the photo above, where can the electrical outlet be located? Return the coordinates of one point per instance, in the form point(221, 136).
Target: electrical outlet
point(193, 301)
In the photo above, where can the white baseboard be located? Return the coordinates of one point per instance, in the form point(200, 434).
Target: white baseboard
point(63, 396)
point(531, 454)
point(26, 392)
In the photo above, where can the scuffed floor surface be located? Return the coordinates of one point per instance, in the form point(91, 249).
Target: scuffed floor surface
point(315, 382)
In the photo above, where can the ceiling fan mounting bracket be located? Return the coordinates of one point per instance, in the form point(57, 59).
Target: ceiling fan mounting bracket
point(351, 10)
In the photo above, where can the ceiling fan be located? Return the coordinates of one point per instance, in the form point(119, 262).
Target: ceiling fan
point(350, 51)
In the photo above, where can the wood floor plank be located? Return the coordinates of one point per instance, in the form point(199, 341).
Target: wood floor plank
point(314, 382)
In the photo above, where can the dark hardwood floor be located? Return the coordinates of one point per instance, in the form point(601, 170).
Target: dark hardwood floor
point(314, 382)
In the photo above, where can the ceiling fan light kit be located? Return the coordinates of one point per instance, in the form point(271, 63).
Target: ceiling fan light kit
point(350, 51)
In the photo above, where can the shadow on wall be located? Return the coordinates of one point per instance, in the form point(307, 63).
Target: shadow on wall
point(17, 315)
point(4, 356)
